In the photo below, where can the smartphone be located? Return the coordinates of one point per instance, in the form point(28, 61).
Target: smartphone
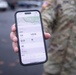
point(31, 43)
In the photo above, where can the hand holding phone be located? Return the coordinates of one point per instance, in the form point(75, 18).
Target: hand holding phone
point(31, 43)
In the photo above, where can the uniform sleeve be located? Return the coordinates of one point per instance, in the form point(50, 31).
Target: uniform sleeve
point(48, 16)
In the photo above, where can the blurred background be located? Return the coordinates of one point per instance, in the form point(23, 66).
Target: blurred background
point(9, 62)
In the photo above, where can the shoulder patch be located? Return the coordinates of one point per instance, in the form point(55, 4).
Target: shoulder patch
point(45, 4)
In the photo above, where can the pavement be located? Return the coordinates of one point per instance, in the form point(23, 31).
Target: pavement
point(9, 61)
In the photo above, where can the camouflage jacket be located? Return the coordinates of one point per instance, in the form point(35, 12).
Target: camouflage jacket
point(59, 19)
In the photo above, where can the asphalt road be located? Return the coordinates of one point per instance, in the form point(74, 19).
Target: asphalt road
point(9, 63)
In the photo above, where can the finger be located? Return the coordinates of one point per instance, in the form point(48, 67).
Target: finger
point(13, 28)
point(15, 46)
point(13, 37)
point(47, 35)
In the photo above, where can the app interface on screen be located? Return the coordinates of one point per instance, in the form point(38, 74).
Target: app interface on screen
point(30, 38)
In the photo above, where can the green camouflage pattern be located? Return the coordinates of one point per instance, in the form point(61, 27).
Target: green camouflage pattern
point(59, 19)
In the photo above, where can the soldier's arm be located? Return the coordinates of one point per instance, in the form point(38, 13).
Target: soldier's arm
point(48, 16)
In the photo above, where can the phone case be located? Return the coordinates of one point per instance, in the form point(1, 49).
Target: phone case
point(35, 63)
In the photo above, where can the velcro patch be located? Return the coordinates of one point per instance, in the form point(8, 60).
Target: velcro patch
point(45, 4)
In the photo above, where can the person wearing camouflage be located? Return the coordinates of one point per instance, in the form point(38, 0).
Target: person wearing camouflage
point(59, 19)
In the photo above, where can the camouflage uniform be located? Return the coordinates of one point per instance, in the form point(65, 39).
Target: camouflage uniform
point(59, 19)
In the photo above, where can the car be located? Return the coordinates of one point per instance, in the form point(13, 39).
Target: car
point(12, 3)
point(28, 3)
point(3, 5)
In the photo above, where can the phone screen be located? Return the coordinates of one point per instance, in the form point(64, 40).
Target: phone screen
point(30, 37)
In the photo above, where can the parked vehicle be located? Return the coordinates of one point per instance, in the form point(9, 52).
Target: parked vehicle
point(24, 3)
point(12, 3)
point(3, 5)
point(28, 3)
